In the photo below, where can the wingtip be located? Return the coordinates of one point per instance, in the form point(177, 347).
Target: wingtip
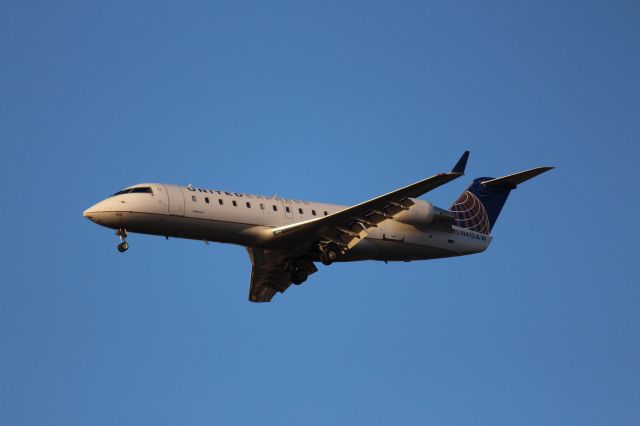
point(461, 164)
point(543, 169)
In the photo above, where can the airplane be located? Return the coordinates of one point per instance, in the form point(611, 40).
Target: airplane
point(285, 237)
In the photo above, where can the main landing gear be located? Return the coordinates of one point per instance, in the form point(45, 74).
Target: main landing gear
point(123, 246)
point(328, 253)
point(300, 269)
point(299, 275)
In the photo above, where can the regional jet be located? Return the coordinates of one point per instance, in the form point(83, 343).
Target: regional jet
point(286, 237)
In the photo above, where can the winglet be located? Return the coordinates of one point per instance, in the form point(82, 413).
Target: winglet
point(461, 164)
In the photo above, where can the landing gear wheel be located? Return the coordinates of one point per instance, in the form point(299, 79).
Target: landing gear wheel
point(122, 234)
point(298, 276)
point(328, 256)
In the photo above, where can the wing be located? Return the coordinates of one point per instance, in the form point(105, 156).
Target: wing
point(347, 227)
point(271, 272)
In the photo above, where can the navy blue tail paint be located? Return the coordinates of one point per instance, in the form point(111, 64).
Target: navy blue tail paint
point(478, 207)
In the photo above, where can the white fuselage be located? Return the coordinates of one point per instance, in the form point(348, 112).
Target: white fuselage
point(248, 220)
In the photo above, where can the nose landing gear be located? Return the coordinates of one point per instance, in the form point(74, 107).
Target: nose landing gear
point(123, 246)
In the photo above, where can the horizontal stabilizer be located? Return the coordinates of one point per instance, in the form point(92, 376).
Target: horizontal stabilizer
point(516, 179)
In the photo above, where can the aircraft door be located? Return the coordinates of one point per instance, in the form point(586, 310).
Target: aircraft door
point(176, 200)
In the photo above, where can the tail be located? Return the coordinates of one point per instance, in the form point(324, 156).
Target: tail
point(479, 206)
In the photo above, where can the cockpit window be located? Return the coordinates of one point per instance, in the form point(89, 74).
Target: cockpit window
point(139, 190)
point(142, 190)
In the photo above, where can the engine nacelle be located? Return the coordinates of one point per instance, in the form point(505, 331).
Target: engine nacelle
point(424, 214)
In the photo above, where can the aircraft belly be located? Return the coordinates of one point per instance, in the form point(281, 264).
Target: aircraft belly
point(392, 250)
point(213, 230)
point(184, 227)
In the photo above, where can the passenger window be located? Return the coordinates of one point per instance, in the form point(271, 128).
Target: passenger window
point(234, 203)
point(220, 201)
point(194, 198)
point(206, 200)
point(275, 208)
point(248, 205)
point(261, 206)
point(313, 212)
point(325, 213)
point(300, 211)
point(287, 209)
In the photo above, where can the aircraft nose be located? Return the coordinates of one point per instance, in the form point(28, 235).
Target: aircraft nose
point(87, 213)
point(91, 211)
point(103, 213)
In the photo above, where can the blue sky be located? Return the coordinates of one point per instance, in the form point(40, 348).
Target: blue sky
point(338, 102)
